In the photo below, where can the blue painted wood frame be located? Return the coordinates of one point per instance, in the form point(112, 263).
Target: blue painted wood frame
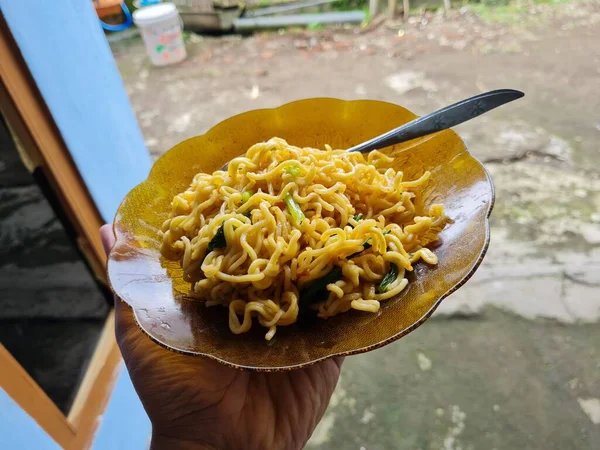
point(123, 426)
point(18, 430)
point(72, 64)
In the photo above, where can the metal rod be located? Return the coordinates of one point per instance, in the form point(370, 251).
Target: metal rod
point(287, 7)
point(246, 23)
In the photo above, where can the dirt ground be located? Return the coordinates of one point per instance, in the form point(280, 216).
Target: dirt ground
point(512, 360)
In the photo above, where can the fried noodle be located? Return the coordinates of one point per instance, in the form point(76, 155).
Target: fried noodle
point(261, 237)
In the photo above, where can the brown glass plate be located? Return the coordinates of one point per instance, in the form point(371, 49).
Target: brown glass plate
point(158, 295)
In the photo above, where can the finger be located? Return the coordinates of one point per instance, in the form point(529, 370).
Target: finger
point(124, 320)
point(107, 236)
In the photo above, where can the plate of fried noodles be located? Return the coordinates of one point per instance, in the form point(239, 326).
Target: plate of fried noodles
point(299, 251)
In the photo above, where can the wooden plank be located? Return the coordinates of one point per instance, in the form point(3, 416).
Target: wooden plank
point(14, 170)
point(33, 125)
point(94, 392)
point(105, 8)
point(28, 395)
point(373, 8)
point(406, 8)
point(392, 8)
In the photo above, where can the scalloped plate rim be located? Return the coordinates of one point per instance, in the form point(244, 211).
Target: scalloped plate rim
point(356, 351)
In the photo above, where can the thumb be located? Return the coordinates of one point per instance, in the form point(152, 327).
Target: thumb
point(124, 321)
point(107, 236)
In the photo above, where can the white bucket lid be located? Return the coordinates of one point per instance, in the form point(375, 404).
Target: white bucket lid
point(149, 15)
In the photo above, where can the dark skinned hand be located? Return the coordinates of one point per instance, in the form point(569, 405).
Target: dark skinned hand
point(197, 403)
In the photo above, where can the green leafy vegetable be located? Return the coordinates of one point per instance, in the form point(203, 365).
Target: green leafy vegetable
point(389, 278)
point(294, 209)
point(357, 217)
point(317, 291)
point(246, 196)
point(218, 240)
point(293, 171)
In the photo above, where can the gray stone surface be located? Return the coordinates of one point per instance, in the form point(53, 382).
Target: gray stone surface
point(495, 380)
point(56, 291)
point(41, 273)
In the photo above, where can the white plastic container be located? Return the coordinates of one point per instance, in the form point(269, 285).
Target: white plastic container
point(161, 29)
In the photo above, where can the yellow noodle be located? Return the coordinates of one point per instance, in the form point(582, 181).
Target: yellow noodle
point(269, 255)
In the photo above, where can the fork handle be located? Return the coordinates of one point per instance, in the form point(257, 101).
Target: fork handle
point(441, 119)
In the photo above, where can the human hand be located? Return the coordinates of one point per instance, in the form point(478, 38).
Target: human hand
point(197, 403)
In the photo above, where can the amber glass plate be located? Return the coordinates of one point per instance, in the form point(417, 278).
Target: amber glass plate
point(158, 295)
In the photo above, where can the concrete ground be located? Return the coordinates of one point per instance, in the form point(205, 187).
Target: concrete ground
point(512, 360)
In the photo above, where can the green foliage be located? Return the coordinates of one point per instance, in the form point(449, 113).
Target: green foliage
point(315, 26)
point(348, 5)
point(130, 5)
point(507, 11)
point(186, 36)
point(492, 3)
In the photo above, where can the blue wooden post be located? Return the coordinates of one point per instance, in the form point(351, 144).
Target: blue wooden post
point(72, 64)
